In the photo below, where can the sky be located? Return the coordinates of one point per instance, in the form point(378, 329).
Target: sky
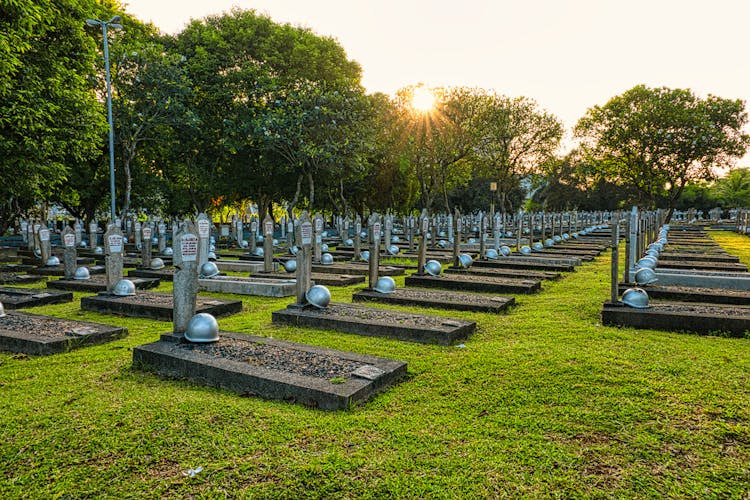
point(567, 55)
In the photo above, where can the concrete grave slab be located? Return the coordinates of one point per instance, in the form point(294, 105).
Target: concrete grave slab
point(272, 369)
point(20, 279)
point(60, 270)
point(476, 283)
point(158, 306)
point(98, 284)
point(263, 287)
point(437, 299)
point(680, 316)
point(166, 274)
point(375, 322)
point(692, 294)
point(43, 335)
point(20, 298)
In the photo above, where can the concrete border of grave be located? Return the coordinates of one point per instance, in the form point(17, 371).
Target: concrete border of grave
point(476, 283)
point(20, 279)
point(362, 377)
point(261, 286)
point(376, 322)
point(158, 306)
point(692, 294)
point(437, 299)
point(680, 316)
point(19, 298)
point(20, 332)
point(95, 285)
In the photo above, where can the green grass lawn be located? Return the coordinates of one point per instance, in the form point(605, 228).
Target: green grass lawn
point(542, 402)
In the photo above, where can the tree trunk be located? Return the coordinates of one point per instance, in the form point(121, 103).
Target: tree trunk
point(312, 189)
point(293, 203)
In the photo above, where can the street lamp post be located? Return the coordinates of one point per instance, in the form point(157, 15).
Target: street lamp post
point(114, 24)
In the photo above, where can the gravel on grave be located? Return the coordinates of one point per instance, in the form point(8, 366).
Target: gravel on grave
point(41, 326)
point(157, 299)
point(441, 295)
point(699, 309)
point(339, 311)
point(277, 358)
point(9, 277)
point(699, 290)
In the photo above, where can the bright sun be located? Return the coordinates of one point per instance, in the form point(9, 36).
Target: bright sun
point(422, 99)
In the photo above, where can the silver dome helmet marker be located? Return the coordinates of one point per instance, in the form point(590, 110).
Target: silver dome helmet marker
point(318, 296)
point(202, 328)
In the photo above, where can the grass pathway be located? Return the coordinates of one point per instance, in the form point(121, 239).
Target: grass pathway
point(542, 402)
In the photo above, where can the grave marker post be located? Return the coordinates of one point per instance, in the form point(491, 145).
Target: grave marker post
point(253, 234)
point(203, 225)
point(456, 219)
point(422, 259)
point(113, 247)
point(482, 223)
point(268, 244)
point(45, 246)
point(185, 290)
point(374, 229)
point(93, 236)
point(77, 232)
point(304, 258)
point(318, 227)
point(146, 234)
point(357, 237)
point(69, 251)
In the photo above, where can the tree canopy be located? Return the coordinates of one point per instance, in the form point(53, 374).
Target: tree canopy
point(656, 140)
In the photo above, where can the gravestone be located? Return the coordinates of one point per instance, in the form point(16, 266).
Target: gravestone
point(253, 234)
point(388, 229)
point(113, 248)
point(290, 233)
point(239, 231)
point(93, 237)
point(24, 231)
point(456, 237)
point(318, 226)
point(268, 244)
point(77, 232)
point(162, 230)
point(482, 224)
point(185, 289)
point(451, 227)
point(496, 232)
point(175, 229)
point(410, 224)
point(204, 238)
point(282, 227)
point(45, 246)
point(69, 252)
point(374, 229)
point(137, 234)
point(519, 230)
point(357, 237)
point(304, 258)
point(422, 259)
point(146, 234)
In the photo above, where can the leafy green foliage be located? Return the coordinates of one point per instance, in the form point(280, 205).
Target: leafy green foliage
point(658, 139)
point(49, 117)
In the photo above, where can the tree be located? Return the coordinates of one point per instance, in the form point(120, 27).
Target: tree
point(49, 116)
point(255, 88)
point(656, 140)
point(151, 90)
point(734, 189)
point(517, 140)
